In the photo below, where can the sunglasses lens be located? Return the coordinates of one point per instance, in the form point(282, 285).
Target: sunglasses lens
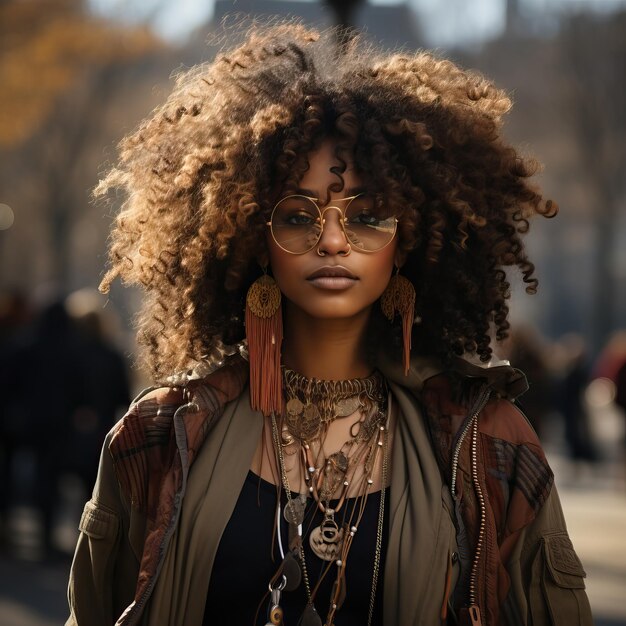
point(369, 227)
point(296, 225)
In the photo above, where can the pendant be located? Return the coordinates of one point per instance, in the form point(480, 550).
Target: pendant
point(286, 438)
point(275, 612)
point(310, 617)
point(292, 572)
point(311, 412)
point(294, 407)
point(275, 617)
point(294, 511)
point(326, 540)
point(333, 474)
point(303, 422)
point(347, 406)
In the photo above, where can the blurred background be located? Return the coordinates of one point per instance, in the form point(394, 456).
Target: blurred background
point(77, 75)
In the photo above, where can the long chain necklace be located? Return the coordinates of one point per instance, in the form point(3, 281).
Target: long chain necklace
point(328, 541)
point(312, 404)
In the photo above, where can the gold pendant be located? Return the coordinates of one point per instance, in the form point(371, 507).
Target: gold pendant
point(326, 540)
point(294, 511)
point(294, 406)
point(333, 474)
point(311, 413)
point(303, 421)
point(347, 406)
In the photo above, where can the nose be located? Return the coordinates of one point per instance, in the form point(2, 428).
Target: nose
point(333, 239)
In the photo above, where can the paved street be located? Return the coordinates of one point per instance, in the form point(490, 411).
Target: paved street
point(32, 594)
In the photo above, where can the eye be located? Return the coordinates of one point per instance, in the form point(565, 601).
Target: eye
point(300, 218)
point(362, 211)
point(365, 218)
point(295, 211)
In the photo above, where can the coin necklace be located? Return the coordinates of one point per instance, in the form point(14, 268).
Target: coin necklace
point(311, 405)
point(326, 540)
point(329, 532)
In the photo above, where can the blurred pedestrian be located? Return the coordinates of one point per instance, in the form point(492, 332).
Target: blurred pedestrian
point(15, 315)
point(612, 357)
point(574, 381)
point(104, 376)
point(43, 377)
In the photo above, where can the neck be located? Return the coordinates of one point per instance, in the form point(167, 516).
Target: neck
point(329, 349)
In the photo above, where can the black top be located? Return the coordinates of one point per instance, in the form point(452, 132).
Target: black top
point(246, 561)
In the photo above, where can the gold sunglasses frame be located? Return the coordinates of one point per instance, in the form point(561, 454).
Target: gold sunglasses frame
point(342, 221)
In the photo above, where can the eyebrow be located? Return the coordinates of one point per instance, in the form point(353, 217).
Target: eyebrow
point(351, 191)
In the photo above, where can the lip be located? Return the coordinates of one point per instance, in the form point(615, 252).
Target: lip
point(332, 271)
point(332, 277)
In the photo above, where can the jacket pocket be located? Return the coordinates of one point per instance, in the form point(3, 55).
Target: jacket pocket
point(97, 522)
point(97, 547)
point(562, 587)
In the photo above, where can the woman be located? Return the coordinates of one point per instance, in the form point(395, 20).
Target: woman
point(321, 236)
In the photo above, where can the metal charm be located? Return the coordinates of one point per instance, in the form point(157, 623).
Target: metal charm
point(326, 540)
point(292, 572)
point(310, 617)
point(347, 406)
point(275, 613)
point(294, 511)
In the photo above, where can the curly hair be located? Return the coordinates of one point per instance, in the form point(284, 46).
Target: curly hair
point(202, 174)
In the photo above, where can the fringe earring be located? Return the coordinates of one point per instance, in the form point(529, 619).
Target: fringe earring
point(399, 297)
point(264, 332)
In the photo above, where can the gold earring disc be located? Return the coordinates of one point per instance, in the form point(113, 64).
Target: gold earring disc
point(263, 297)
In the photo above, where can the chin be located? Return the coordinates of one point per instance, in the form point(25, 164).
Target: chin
point(333, 310)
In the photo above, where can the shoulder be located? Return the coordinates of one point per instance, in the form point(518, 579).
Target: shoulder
point(502, 419)
point(152, 402)
point(453, 397)
point(207, 394)
point(226, 377)
point(159, 397)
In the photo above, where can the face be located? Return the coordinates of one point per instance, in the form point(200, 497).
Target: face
point(334, 279)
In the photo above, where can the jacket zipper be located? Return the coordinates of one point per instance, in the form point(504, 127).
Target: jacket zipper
point(474, 608)
point(472, 423)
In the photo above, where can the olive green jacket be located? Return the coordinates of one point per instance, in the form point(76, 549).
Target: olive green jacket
point(126, 572)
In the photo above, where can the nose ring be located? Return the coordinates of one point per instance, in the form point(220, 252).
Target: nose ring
point(346, 253)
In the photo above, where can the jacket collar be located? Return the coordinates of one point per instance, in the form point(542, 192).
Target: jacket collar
point(505, 380)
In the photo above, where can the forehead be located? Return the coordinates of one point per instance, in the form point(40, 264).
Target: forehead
point(330, 167)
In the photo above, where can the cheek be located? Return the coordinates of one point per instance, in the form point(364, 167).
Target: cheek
point(282, 264)
point(383, 267)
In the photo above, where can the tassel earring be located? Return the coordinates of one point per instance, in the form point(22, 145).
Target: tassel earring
point(264, 332)
point(399, 297)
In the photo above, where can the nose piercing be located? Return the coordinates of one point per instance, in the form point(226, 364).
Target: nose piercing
point(319, 251)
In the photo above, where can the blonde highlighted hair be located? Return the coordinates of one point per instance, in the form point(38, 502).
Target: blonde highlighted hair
point(202, 173)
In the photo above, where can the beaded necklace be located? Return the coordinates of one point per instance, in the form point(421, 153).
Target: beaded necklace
point(317, 404)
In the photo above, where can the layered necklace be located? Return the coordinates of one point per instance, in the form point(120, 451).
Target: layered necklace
point(311, 406)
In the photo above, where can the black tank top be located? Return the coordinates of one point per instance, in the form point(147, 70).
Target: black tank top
point(246, 561)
